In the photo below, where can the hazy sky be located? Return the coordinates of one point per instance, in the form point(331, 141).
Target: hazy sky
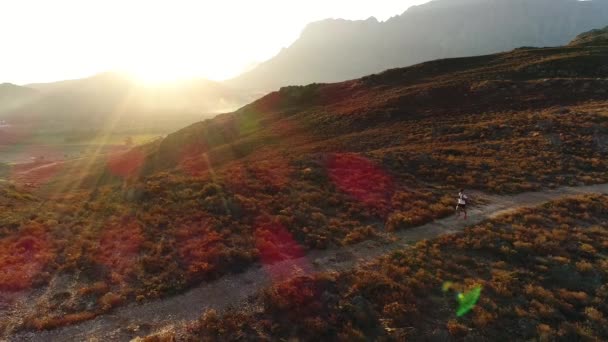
point(48, 40)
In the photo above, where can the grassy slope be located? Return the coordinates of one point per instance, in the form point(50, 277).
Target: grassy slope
point(461, 109)
point(312, 167)
point(542, 270)
point(592, 38)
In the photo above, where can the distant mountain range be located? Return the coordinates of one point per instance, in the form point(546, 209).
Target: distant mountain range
point(13, 96)
point(336, 50)
point(114, 99)
point(327, 51)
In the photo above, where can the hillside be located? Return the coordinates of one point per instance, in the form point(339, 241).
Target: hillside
point(593, 37)
point(305, 168)
point(101, 114)
point(337, 50)
point(464, 108)
point(12, 96)
point(541, 273)
point(112, 99)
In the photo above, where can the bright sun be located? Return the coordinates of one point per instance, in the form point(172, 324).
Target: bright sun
point(165, 69)
point(154, 73)
point(154, 76)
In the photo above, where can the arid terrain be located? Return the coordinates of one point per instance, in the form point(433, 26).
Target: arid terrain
point(323, 168)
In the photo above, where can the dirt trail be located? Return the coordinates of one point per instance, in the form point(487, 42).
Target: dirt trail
point(135, 320)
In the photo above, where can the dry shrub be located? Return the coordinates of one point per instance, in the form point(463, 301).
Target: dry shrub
point(483, 318)
point(119, 247)
point(594, 315)
point(200, 247)
point(23, 257)
point(456, 329)
point(545, 332)
point(110, 300)
point(574, 297)
point(386, 298)
point(584, 266)
point(48, 323)
point(358, 235)
point(400, 313)
point(95, 288)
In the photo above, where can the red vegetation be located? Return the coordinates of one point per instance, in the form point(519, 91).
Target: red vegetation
point(23, 257)
point(125, 164)
point(334, 164)
point(194, 160)
point(198, 166)
point(533, 287)
point(270, 173)
point(361, 179)
point(274, 242)
point(200, 248)
point(119, 247)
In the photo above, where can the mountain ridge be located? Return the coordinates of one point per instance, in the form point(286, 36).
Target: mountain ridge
point(593, 37)
point(454, 86)
point(337, 50)
point(13, 96)
point(95, 101)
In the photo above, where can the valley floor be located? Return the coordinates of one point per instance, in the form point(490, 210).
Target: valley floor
point(230, 291)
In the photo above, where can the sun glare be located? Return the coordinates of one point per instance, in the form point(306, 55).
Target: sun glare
point(166, 69)
point(156, 71)
point(155, 75)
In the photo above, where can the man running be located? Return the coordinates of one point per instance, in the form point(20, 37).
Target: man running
point(462, 204)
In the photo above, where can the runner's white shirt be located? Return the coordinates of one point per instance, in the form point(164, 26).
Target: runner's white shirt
point(462, 198)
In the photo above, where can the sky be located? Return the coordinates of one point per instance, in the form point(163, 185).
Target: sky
point(51, 40)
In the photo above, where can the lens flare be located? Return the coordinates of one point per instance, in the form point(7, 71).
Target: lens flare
point(361, 179)
point(467, 300)
point(280, 254)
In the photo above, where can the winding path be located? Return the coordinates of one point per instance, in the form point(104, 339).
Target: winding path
point(135, 320)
